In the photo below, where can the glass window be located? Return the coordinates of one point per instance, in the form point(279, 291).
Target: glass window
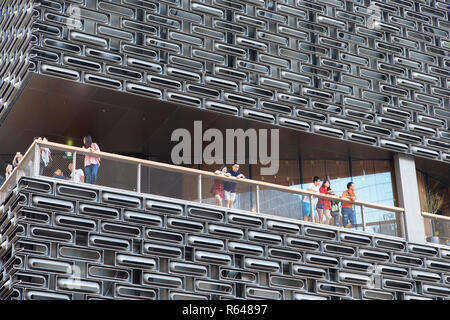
point(338, 172)
point(422, 185)
point(374, 182)
point(288, 173)
point(432, 187)
point(276, 202)
point(311, 168)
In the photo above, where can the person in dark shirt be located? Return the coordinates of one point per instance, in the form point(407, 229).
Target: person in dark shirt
point(229, 187)
point(58, 174)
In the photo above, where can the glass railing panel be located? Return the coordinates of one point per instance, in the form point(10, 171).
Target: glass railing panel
point(176, 182)
point(25, 168)
point(112, 173)
point(280, 203)
point(331, 212)
point(437, 230)
point(219, 191)
point(169, 183)
point(383, 221)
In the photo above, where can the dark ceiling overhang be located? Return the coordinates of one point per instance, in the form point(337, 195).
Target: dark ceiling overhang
point(136, 125)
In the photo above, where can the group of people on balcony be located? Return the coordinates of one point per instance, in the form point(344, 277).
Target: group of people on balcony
point(327, 210)
point(91, 163)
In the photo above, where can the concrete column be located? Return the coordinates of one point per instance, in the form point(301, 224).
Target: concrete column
point(408, 193)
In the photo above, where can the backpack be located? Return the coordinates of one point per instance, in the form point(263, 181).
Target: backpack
point(334, 206)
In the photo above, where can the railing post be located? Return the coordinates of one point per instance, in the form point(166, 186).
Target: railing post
point(257, 198)
point(404, 229)
point(363, 218)
point(74, 165)
point(199, 186)
point(37, 160)
point(138, 180)
point(311, 207)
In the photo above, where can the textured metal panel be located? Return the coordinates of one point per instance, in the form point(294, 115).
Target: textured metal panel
point(344, 60)
point(120, 253)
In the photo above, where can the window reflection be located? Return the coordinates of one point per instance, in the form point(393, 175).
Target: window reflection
point(431, 187)
point(374, 182)
point(276, 202)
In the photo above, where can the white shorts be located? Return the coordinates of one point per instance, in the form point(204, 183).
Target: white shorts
point(229, 195)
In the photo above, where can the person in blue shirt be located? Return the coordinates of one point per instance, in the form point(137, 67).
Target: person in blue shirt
point(229, 188)
point(58, 174)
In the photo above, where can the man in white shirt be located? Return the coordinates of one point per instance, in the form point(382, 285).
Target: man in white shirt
point(78, 175)
point(314, 187)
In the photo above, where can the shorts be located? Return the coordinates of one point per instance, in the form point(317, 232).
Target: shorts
point(230, 196)
point(306, 209)
point(348, 215)
point(321, 206)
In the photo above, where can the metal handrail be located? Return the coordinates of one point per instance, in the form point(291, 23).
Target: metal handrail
point(180, 169)
point(435, 216)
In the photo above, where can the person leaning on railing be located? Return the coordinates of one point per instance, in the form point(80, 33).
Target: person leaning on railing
point(313, 187)
point(91, 163)
point(9, 170)
point(324, 206)
point(229, 187)
point(348, 214)
point(17, 158)
point(217, 187)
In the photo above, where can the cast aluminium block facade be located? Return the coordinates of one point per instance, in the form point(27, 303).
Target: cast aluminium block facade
point(321, 66)
point(69, 241)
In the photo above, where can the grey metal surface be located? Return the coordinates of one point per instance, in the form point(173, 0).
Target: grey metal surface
point(325, 67)
point(408, 194)
point(49, 252)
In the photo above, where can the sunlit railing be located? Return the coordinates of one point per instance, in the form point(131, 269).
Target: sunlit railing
point(188, 184)
point(437, 228)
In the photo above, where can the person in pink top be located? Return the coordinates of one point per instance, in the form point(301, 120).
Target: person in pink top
point(91, 162)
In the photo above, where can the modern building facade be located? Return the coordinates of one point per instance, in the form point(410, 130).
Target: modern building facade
point(359, 91)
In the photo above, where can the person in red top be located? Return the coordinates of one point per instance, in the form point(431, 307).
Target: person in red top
point(324, 206)
point(217, 188)
point(348, 214)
